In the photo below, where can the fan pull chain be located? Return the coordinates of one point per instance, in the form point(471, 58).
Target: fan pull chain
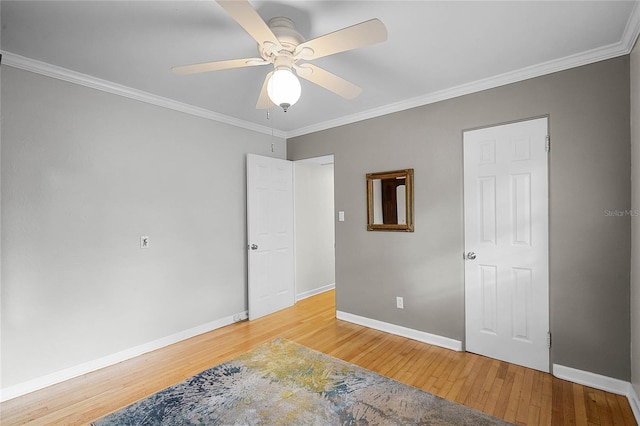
point(269, 118)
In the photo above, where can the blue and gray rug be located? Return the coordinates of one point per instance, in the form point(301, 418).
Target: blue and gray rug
point(283, 383)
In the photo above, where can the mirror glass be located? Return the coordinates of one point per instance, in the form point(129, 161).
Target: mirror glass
point(390, 201)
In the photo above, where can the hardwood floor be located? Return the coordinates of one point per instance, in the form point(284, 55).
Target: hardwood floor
point(514, 393)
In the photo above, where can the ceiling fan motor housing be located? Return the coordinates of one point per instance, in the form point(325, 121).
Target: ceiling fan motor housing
point(285, 55)
point(286, 32)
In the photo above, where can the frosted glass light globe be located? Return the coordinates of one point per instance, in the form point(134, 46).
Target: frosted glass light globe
point(284, 88)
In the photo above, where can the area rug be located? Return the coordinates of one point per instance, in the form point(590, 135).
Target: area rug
point(283, 383)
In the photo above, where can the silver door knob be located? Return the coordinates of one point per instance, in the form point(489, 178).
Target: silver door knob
point(254, 247)
point(471, 255)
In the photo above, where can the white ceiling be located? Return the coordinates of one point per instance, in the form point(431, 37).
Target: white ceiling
point(435, 50)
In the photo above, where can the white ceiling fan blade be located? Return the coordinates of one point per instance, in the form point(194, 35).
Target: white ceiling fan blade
point(247, 17)
point(329, 81)
point(218, 65)
point(264, 101)
point(359, 35)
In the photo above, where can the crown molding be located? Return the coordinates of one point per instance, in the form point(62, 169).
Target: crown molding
point(632, 30)
point(466, 89)
point(43, 68)
point(623, 47)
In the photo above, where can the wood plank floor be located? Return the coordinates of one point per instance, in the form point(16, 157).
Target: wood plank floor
point(513, 393)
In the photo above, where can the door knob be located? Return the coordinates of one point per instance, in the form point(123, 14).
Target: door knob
point(254, 247)
point(471, 255)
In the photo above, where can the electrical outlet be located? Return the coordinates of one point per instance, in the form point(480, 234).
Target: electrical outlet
point(399, 302)
point(144, 242)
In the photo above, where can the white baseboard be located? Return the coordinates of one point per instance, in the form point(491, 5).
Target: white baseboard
point(315, 291)
point(634, 401)
point(593, 380)
point(398, 330)
point(597, 381)
point(87, 367)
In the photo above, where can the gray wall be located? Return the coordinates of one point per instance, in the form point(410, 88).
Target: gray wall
point(84, 175)
point(635, 220)
point(589, 173)
point(314, 227)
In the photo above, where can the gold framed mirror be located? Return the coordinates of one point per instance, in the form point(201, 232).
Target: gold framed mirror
point(390, 201)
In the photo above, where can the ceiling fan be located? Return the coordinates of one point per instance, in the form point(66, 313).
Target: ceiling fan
point(280, 44)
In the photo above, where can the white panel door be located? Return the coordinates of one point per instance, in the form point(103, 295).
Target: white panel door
point(506, 242)
point(270, 235)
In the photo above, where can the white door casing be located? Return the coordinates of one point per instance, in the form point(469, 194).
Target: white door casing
point(270, 235)
point(507, 228)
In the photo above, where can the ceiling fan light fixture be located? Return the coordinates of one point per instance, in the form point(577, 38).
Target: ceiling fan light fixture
point(281, 44)
point(284, 88)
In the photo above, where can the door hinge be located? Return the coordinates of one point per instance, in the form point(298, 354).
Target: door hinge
point(547, 143)
point(549, 339)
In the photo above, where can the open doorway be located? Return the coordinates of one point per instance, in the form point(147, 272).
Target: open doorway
point(314, 226)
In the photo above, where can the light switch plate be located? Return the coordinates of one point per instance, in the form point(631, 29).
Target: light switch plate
point(341, 216)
